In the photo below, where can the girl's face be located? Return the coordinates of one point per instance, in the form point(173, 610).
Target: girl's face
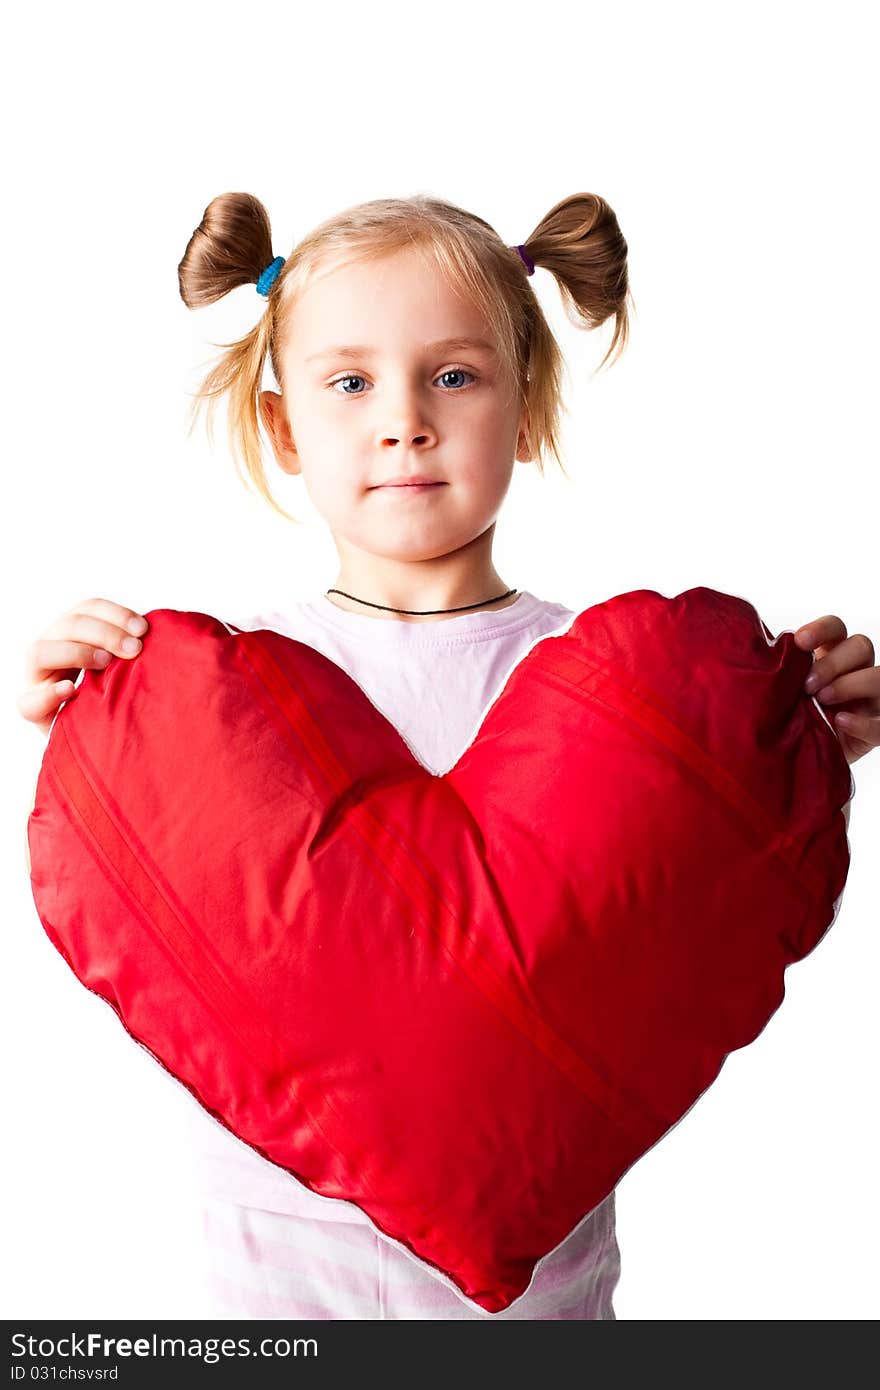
point(373, 391)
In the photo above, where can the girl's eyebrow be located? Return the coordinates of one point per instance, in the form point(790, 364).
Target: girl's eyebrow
point(446, 344)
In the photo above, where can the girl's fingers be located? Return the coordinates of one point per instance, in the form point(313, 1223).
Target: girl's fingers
point(852, 654)
point(825, 632)
point(95, 624)
point(41, 703)
point(86, 637)
point(66, 655)
point(859, 729)
point(101, 610)
point(855, 685)
point(57, 658)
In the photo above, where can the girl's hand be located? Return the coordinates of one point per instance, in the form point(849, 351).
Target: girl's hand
point(88, 635)
point(858, 723)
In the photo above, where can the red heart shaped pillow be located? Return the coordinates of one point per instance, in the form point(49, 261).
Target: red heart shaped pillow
point(466, 1003)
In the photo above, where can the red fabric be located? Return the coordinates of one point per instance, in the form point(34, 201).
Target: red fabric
point(466, 1003)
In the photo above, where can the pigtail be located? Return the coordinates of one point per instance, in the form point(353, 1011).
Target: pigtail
point(232, 246)
point(580, 242)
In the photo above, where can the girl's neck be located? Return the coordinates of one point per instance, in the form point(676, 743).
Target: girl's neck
point(487, 601)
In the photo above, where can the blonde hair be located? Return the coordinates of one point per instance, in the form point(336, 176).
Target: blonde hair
point(578, 241)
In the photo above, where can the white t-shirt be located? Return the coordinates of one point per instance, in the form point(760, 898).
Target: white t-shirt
point(277, 1249)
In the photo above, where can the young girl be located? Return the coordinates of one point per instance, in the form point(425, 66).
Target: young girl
point(415, 366)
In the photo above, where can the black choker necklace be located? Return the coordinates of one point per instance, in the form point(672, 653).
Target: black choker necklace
point(417, 612)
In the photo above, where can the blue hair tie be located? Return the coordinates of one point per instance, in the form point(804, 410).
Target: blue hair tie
point(269, 275)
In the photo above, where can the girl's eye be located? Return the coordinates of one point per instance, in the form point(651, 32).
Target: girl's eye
point(351, 376)
point(457, 371)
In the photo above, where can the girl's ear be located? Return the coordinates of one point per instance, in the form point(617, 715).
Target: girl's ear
point(523, 439)
point(274, 417)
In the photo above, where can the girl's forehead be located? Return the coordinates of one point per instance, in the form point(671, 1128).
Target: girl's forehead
point(407, 272)
point(400, 295)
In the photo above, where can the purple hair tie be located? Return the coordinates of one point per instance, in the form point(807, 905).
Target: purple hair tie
point(526, 259)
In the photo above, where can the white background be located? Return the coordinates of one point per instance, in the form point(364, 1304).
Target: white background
point(733, 446)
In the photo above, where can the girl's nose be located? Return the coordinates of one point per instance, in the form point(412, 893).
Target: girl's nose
point(407, 426)
point(420, 439)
